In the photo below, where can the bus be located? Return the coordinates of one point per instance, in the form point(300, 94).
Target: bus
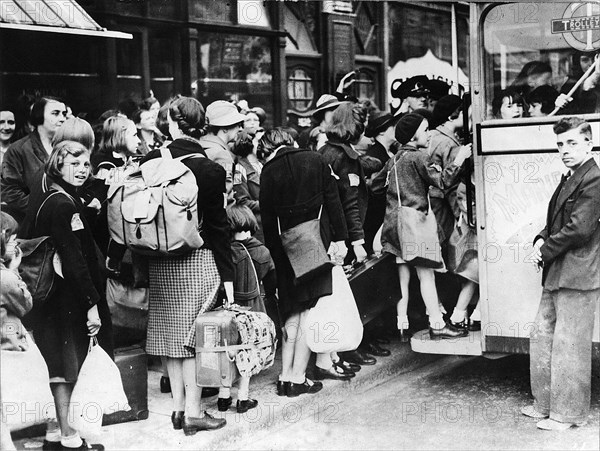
point(516, 166)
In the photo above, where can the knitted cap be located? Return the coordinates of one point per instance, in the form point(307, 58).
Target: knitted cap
point(407, 126)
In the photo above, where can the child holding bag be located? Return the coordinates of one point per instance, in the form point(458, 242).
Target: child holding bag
point(253, 264)
point(20, 355)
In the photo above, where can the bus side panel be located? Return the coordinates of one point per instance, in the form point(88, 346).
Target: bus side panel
point(516, 190)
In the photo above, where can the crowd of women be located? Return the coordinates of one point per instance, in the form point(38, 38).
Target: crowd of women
point(370, 177)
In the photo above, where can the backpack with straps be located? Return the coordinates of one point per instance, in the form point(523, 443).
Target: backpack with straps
point(154, 211)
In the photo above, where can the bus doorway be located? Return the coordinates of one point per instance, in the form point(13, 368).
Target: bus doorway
point(516, 164)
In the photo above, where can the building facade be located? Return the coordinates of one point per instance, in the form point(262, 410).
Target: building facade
point(278, 55)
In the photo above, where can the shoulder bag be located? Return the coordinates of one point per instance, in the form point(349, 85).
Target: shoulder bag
point(38, 261)
point(304, 248)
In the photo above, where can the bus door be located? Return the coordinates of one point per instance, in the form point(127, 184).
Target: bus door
point(517, 166)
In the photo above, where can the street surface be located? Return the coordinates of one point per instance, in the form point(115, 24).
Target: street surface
point(453, 403)
point(407, 401)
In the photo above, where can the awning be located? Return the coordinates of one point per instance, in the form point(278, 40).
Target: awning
point(54, 16)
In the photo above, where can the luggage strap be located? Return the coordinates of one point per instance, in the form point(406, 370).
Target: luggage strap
point(228, 348)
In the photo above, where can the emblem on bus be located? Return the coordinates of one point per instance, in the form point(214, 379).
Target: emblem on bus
point(580, 26)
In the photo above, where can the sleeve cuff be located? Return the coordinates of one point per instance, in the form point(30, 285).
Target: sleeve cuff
point(358, 242)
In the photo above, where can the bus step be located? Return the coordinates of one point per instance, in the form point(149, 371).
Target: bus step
point(469, 345)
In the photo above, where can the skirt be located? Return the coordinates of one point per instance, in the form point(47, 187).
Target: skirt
point(462, 251)
point(180, 288)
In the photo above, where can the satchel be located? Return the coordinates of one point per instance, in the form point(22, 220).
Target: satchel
point(418, 235)
point(305, 250)
point(38, 262)
point(334, 324)
point(36, 267)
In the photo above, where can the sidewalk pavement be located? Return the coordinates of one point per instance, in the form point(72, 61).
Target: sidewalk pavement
point(156, 433)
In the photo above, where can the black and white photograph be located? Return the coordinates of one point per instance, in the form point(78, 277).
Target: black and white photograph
point(299, 225)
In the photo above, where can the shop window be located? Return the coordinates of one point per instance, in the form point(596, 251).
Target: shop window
point(366, 29)
point(300, 23)
point(129, 56)
point(129, 67)
point(236, 67)
point(415, 30)
point(527, 46)
point(162, 63)
point(365, 85)
point(300, 88)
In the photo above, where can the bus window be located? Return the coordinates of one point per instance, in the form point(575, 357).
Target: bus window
point(528, 46)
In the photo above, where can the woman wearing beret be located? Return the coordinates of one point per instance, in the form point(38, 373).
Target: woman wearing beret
point(408, 177)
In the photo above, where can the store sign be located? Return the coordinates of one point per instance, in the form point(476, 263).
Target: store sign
point(580, 26)
point(429, 65)
point(232, 51)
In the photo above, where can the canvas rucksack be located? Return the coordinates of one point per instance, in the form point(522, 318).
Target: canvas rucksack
point(154, 211)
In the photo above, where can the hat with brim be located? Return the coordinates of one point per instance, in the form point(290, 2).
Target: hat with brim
point(416, 86)
point(326, 102)
point(223, 114)
point(379, 123)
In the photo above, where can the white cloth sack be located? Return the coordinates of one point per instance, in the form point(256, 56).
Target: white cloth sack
point(98, 391)
point(334, 324)
point(25, 388)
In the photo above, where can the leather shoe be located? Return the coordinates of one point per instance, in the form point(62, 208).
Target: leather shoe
point(448, 331)
point(376, 350)
point(359, 358)
point(192, 425)
point(246, 404)
point(332, 373)
point(208, 392)
point(165, 384)
point(177, 419)
point(223, 404)
point(462, 325)
point(305, 387)
point(347, 366)
point(282, 388)
point(88, 446)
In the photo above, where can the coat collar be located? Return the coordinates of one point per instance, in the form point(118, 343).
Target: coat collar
point(283, 151)
point(353, 154)
point(187, 146)
point(570, 185)
point(446, 132)
point(213, 140)
point(38, 148)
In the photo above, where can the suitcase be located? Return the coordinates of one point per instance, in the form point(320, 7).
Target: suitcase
point(132, 362)
point(375, 286)
point(215, 367)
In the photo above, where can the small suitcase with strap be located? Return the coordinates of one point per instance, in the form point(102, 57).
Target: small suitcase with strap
point(375, 286)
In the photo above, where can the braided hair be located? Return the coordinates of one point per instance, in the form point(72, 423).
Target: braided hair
point(189, 115)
